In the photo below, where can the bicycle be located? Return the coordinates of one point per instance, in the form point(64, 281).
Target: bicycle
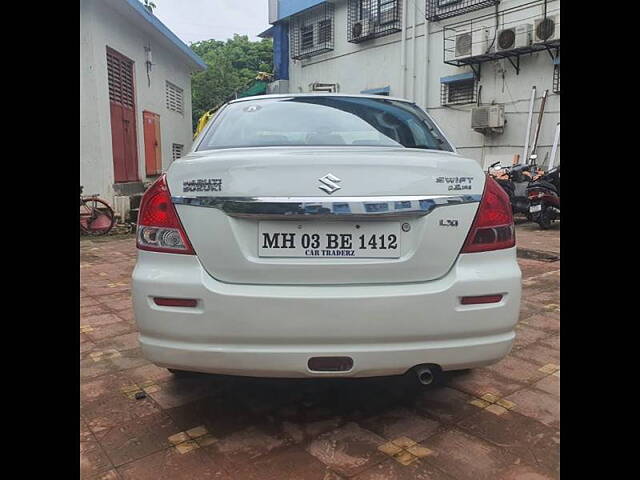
point(96, 215)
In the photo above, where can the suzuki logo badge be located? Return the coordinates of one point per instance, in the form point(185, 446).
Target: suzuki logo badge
point(330, 183)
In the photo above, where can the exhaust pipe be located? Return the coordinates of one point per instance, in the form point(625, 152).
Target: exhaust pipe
point(425, 375)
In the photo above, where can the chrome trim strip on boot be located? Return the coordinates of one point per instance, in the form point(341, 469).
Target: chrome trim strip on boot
point(334, 207)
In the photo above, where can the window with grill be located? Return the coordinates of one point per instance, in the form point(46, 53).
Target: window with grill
point(176, 150)
point(379, 11)
point(306, 37)
point(387, 11)
point(311, 32)
point(174, 98)
point(120, 79)
point(372, 18)
point(437, 10)
point(325, 30)
point(458, 92)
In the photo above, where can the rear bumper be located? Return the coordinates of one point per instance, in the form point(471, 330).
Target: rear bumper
point(271, 330)
point(286, 361)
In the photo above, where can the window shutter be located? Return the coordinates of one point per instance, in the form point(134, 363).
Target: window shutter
point(174, 98)
point(120, 78)
point(176, 150)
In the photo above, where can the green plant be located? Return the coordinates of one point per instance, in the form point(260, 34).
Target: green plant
point(232, 65)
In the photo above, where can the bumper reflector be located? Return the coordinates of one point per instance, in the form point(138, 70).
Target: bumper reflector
point(480, 299)
point(175, 302)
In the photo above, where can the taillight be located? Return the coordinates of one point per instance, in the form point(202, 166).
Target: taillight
point(493, 228)
point(159, 228)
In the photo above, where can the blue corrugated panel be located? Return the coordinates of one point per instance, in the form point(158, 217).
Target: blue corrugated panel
point(268, 33)
point(457, 78)
point(281, 51)
point(286, 8)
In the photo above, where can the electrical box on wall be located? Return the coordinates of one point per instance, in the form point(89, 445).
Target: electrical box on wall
point(488, 119)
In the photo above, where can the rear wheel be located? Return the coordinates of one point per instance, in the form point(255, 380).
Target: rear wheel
point(507, 186)
point(96, 217)
point(545, 219)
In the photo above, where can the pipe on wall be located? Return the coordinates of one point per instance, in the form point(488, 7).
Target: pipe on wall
point(529, 119)
point(403, 50)
point(413, 56)
point(426, 64)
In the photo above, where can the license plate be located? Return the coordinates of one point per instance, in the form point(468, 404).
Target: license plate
point(329, 240)
point(535, 208)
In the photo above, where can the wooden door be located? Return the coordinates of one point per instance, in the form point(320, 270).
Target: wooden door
point(123, 116)
point(152, 149)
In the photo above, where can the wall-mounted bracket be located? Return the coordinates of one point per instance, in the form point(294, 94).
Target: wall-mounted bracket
point(515, 65)
point(476, 69)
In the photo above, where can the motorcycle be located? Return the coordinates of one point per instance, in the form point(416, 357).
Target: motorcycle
point(544, 198)
point(514, 180)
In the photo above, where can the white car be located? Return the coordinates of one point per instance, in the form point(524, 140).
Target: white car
point(319, 235)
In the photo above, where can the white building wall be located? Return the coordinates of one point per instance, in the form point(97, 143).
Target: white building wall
point(377, 63)
point(96, 174)
point(101, 26)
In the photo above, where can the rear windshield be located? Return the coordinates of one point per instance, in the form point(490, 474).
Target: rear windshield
point(322, 120)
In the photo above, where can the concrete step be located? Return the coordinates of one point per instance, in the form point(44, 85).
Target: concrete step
point(128, 188)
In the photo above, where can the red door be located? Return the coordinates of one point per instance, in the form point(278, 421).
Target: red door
point(123, 117)
point(152, 152)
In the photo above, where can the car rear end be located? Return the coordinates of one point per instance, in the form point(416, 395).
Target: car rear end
point(322, 252)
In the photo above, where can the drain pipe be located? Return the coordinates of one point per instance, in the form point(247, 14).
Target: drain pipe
point(554, 149)
point(534, 146)
point(414, 39)
point(527, 135)
point(403, 48)
point(426, 64)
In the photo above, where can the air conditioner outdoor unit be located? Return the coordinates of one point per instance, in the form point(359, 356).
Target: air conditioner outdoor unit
point(514, 37)
point(488, 119)
point(323, 87)
point(546, 29)
point(362, 28)
point(473, 43)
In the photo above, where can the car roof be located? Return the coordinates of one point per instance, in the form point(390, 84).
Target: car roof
point(289, 95)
